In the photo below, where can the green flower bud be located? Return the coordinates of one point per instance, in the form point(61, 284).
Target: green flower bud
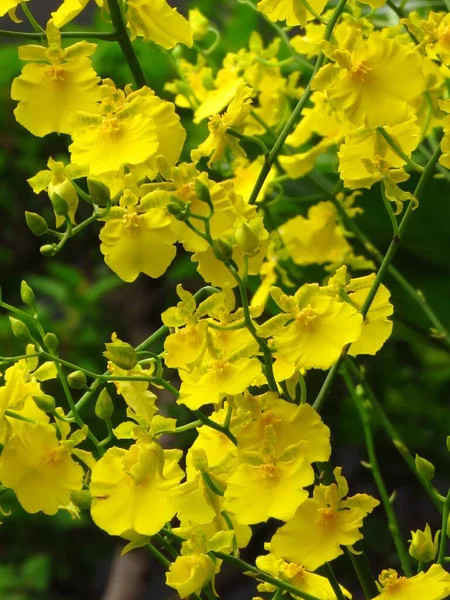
point(45, 403)
point(20, 330)
point(48, 250)
point(121, 354)
point(36, 223)
point(51, 341)
point(222, 250)
point(202, 192)
point(99, 192)
point(424, 467)
point(247, 239)
point(60, 206)
point(199, 459)
point(27, 294)
point(177, 211)
point(82, 499)
point(77, 380)
point(104, 406)
point(423, 548)
point(448, 443)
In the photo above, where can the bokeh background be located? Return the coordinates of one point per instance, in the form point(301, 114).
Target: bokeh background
point(83, 303)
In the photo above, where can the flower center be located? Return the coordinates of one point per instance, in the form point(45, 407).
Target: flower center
point(359, 71)
point(306, 316)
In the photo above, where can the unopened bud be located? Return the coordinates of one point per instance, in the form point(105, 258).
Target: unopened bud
point(448, 443)
point(27, 294)
point(104, 406)
point(36, 223)
point(423, 548)
point(178, 211)
point(51, 341)
point(60, 206)
point(202, 192)
point(48, 249)
point(99, 192)
point(199, 24)
point(121, 354)
point(82, 499)
point(20, 330)
point(77, 380)
point(45, 403)
point(222, 250)
point(424, 467)
point(199, 459)
point(247, 239)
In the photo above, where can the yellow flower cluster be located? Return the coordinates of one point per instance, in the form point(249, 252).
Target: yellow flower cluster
point(281, 296)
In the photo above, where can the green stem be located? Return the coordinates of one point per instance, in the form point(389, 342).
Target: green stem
point(399, 12)
point(249, 138)
point(389, 210)
point(363, 572)
point(392, 432)
point(34, 24)
point(18, 416)
point(444, 528)
point(165, 562)
point(125, 43)
point(262, 576)
point(396, 148)
point(394, 527)
point(297, 110)
point(166, 545)
point(250, 325)
point(329, 574)
point(388, 258)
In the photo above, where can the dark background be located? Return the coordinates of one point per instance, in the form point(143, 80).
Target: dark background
point(57, 558)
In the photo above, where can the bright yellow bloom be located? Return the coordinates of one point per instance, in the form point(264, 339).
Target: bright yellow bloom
point(130, 489)
point(316, 239)
point(10, 6)
point(136, 240)
point(375, 83)
point(190, 573)
point(199, 24)
point(282, 478)
point(237, 112)
point(70, 9)
point(294, 12)
point(156, 21)
point(432, 585)
point(322, 525)
point(39, 468)
point(316, 329)
point(366, 156)
point(136, 393)
point(297, 576)
point(55, 85)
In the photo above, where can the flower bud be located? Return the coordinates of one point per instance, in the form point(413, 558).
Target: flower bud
point(423, 548)
point(99, 192)
point(60, 206)
point(51, 341)
point(20, 330)
point(36, 223)
point(27, 294)
point(199, 24)
point(121, 354)
point(82, 499)
point(222, 250)
point(424, 467)
point(48, 250)
point(247, 239)
point(448, 443)
point(177, 211)
point(104, 406)
point(202, 192)
point(77, 380)
point(45, 403)
point(199, 459)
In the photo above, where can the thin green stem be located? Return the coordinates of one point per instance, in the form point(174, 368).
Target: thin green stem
point(30, 18)
point(399, 12)
point(166, 545)
point(392, 432)
point(394, 527)
point(125, 43)
point(396, 148)
point(329, 574)
point(297, 110)
point(444, 529)
point(165, 562)
point(388, 258)
point(389, 210)
point(18, 416)
point(249, 138)
point(363, 572)
point(262, 576)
